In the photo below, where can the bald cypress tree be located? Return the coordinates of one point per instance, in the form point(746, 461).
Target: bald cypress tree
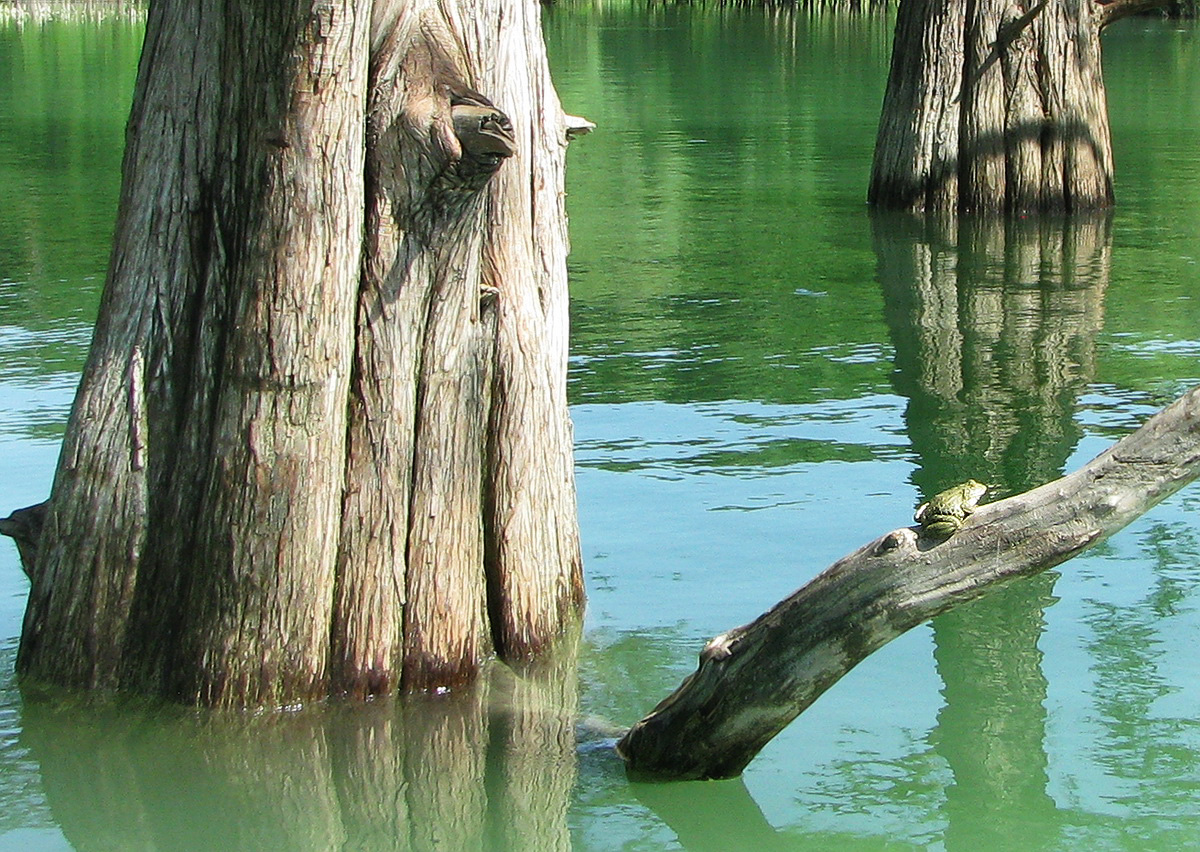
point(321, 442)
point(994, 105)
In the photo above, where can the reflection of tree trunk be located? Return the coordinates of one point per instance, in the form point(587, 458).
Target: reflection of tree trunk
point(444, 765)
point(88, 772)
point(533, 735)
point(117, 778)
point(992, 728)
point(458, 771)
point(367, 747)
point(994, 324)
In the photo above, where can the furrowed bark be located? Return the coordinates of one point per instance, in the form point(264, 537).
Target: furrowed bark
point(753, 680)
point(237, 199)
point(996, 106)
point(916, 151)
point(255, 629)
point(534, 568)
point(83, 586)
point(410, 583)
point(277, 481)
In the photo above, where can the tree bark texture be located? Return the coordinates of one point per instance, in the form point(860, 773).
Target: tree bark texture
point(996, 105)
point(303, 458)
point(753, 680)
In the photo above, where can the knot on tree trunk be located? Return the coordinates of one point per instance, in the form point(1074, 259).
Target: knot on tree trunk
point(434, 141)
point(485, 135)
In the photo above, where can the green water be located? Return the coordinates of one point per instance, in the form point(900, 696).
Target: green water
point(764, 376)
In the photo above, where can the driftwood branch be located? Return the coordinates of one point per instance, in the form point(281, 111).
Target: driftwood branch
point(1115, 10)
point(754, 680)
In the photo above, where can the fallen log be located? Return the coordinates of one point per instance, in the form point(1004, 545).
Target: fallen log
point(754, 680)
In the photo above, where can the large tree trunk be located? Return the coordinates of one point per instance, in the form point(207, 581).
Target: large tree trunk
point(321, 442)
point(995, 105)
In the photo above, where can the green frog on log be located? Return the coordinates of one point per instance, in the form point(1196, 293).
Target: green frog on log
point(945, 511)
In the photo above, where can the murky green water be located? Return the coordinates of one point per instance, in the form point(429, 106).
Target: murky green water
point(764, 376)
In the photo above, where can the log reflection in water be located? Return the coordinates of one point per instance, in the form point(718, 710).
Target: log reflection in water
point(712, 816)
point(456, 771)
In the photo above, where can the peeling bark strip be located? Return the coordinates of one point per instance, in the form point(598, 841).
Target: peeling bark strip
point(754, 680)
point(994, 105)
point(285, 470)
point(421, 588)
point(535, 571)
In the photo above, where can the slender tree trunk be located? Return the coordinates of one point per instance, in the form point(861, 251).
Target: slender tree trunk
point(303, 457)
point(994, 105)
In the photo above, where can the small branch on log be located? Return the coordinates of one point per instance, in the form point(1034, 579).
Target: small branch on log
point(754, 680)
point(24, 526)
point(578, 126)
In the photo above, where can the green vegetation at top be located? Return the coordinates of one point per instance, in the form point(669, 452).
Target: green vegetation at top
point(41, 11)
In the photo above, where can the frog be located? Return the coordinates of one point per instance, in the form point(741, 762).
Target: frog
point(944, 512)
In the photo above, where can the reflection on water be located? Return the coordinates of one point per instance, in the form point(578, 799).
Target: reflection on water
point(995, 328)
point(764, 376)
point(490, 768)
point(991, 731)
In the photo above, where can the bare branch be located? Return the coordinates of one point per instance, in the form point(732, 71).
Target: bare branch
point(754, 680)
point(1115, 10)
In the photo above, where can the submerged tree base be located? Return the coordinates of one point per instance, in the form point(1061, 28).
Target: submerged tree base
point(754, 680)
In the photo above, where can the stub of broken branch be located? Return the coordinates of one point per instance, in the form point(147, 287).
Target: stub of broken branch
point(24, 527)
point(485, 137)
point(578, 126)
point(754, 680)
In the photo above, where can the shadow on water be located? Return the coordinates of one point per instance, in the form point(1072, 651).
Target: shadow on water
point(994, 325)
point(490, 768)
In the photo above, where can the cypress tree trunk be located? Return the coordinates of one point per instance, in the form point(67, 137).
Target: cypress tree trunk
point(290, 466)
point(994, 105)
